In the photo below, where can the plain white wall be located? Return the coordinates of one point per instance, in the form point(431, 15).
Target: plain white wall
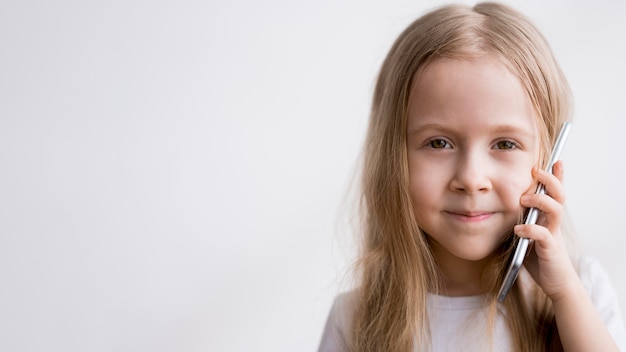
point(172, 172)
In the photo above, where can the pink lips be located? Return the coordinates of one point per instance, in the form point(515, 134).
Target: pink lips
point(470, 216)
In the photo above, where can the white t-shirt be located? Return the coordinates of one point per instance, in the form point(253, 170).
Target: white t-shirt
point(459, 323)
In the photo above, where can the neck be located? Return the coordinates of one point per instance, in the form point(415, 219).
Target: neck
point(461, 277)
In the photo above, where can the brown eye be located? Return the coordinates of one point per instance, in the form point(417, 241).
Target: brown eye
point(506, 145)
point(438, 144)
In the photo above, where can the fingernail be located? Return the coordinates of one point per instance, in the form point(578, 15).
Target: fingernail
point(518, 229)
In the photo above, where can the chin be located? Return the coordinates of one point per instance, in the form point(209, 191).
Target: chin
point(477, 254)
point(478, 258)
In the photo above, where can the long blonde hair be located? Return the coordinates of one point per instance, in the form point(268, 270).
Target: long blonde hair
point(396, 268)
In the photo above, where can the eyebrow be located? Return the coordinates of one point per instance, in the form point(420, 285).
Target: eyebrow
point(502, 128)
point(427, 127)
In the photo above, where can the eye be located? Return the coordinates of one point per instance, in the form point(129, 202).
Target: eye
point(439, 143)
point(505, 145)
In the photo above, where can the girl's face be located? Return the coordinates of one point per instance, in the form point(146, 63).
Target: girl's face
point(472, 142)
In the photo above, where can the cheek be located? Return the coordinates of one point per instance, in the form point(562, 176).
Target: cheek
point(425, 187)
point(515, 186)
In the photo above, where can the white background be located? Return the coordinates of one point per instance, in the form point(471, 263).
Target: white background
point(172, 173)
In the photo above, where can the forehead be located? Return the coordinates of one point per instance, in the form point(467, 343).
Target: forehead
point(469, 93)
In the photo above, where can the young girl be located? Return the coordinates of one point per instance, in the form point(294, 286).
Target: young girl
point(466, 108)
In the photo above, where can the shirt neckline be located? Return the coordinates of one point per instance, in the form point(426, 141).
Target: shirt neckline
point(456, 303)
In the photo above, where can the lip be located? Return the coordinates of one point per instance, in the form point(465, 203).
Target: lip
point(470, 216)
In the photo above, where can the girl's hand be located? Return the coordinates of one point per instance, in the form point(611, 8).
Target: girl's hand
point(549, 263)
point(580, 326)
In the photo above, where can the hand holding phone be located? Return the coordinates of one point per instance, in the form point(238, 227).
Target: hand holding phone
point(523, 244)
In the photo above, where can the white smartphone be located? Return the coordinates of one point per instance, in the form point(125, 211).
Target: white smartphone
point(523, 244)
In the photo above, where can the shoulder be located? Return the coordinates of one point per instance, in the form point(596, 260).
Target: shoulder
point(598, 285)
point(336, 336)
point(596, 281)
point(590, 272)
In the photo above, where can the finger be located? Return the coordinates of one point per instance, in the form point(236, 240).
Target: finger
point(550, 209)
point(541, 235)
point(558, 170)
point(545, 203)
point(551, 183)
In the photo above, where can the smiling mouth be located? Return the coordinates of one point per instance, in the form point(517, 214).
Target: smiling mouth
point(470, 216)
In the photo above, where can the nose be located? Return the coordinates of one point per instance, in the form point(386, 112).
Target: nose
point(471, 174)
